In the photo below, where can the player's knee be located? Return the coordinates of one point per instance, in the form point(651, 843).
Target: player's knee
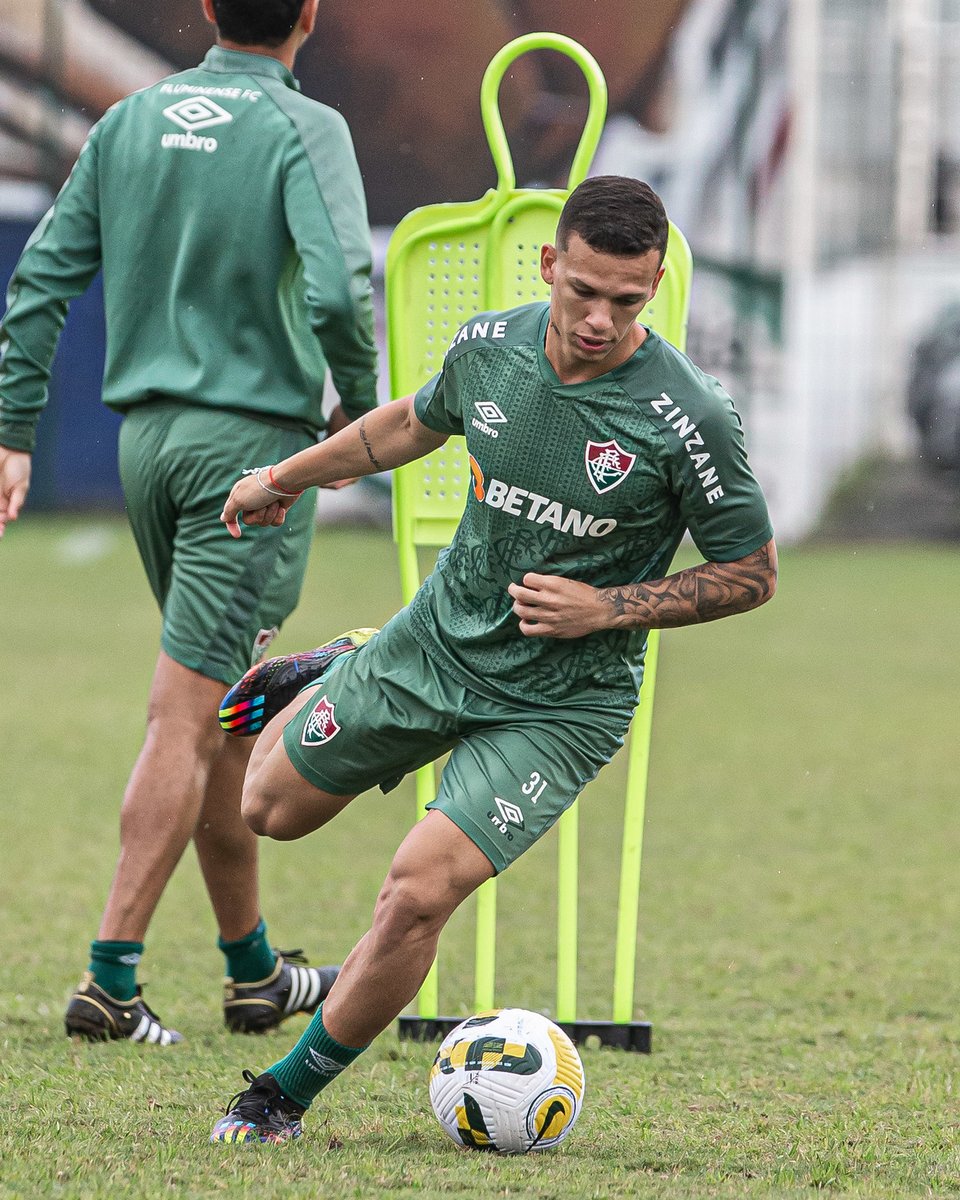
point(196, 736)
point(411, 907)
point(263, 809)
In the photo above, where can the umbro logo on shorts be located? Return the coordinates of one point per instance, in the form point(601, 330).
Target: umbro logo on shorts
point(507, 814)
point(321, 725)
point(511, 813)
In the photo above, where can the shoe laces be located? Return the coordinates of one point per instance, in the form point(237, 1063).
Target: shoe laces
point(262, 1099)
point(292, 956)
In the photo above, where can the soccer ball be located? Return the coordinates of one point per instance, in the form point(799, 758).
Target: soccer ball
point(507, 1080)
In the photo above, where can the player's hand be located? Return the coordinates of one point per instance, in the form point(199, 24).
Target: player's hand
point(14, 484)
point(553, 606)
point(250, 503)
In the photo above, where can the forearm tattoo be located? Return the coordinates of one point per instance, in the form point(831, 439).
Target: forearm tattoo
point(366, 445)
point(702, 593)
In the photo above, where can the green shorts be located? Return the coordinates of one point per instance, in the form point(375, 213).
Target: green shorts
point(222, 599)
point(387, 709)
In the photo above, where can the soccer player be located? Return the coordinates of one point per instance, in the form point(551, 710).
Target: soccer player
point(594, 444)
point(228, 215)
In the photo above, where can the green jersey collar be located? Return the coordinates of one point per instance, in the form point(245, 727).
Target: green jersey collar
point(549, 375)
point(242, 62)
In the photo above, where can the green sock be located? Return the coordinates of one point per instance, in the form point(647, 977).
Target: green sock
point(315, 1061)
point(113, 966)
point(250, 958)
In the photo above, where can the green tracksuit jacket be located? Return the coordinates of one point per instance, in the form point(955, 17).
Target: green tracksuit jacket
point(228, 214)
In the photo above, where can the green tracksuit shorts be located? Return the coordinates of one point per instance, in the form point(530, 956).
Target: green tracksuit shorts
point(222, 599)
point(386, 709)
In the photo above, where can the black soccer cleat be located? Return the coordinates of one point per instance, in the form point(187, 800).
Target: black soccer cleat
point(268, 687)
point(261, 1113)
point(96, 1016)
point(257, 1007)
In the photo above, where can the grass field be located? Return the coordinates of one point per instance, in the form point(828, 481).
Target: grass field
point(799, 956)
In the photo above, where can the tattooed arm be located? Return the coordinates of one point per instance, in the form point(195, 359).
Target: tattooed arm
point(384, 438)
point(552, 606)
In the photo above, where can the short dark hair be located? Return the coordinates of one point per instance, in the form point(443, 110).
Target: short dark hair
point(257, 22)
point(615, 215)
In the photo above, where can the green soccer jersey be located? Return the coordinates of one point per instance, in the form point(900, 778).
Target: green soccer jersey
point(595, 481)
point(228, 214)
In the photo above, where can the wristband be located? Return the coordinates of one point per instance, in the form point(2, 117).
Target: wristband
point(257, 473)
point(280, 490)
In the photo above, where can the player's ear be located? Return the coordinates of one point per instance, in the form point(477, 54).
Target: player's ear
point(308, 16)
point(548, 261)
point(208, 11)
point(656, 284)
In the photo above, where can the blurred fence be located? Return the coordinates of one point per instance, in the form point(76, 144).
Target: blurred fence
point(75, 461)
point(809, 149)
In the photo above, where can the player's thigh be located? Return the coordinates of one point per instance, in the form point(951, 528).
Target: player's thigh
point(509, 781)
point(151, 510)
point(278, 801)
point(379, 713)
point(227, 596)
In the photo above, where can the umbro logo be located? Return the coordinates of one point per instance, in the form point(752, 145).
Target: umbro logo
point(507, 815)
point(511, 813)
point(197, 112)
point(491, 414)
point(323, 1063)
point(193, 114)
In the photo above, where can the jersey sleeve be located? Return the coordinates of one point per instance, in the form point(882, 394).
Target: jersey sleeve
point(720, 499)
point(59, 261)
point(326, 214)
point(439, 404)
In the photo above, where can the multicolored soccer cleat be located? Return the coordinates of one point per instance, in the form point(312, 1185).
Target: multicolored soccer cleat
point(268, 687)
point(259, 1114)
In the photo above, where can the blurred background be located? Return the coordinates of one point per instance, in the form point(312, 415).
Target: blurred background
point(810, 150)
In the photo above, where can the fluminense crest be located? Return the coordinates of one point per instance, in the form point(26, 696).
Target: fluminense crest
point(321, 725)
point(608, 465)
